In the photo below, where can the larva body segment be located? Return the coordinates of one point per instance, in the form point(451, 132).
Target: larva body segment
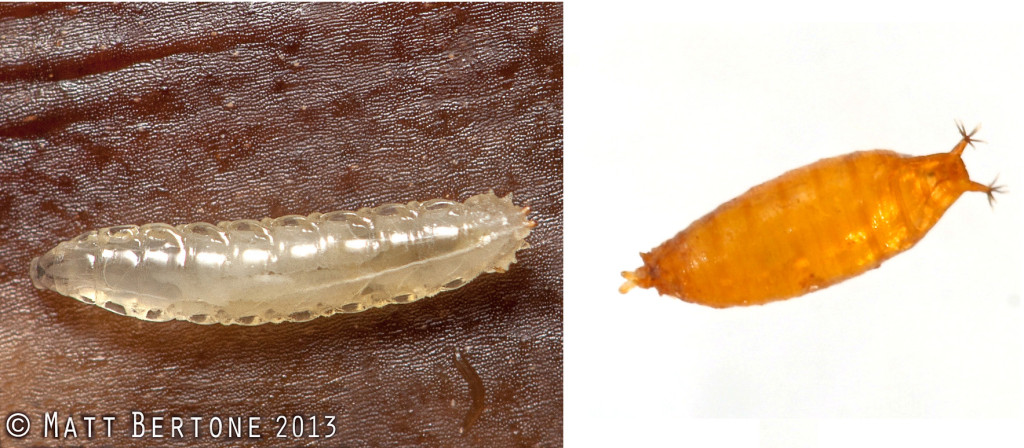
point(291, 268)
point(810, 228)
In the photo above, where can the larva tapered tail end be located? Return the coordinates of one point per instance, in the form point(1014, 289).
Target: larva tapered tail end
point(530, 224)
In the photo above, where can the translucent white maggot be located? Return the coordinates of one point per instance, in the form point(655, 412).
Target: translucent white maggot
point(292, 268)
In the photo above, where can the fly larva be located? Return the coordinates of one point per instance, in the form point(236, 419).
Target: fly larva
point(293, 268)
point(476, 392)
point(808, 229)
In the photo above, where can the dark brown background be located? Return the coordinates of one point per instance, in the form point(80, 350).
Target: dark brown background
point(130, 113)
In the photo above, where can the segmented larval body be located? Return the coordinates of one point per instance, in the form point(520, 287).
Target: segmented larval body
point(292, 268)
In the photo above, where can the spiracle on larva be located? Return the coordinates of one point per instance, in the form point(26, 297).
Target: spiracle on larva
point(292, 268)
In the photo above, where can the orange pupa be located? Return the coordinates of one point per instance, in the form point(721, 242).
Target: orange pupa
point(810, 228)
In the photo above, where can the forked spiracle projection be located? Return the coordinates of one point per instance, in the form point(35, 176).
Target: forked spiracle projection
point(809, 228)
point(292, 268)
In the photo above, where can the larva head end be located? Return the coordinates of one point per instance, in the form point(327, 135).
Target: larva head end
point(39, 272)
point(35, 273)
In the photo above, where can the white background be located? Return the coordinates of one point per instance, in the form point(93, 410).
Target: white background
point(667, 118)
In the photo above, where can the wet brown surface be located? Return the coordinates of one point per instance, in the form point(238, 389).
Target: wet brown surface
point(129, 113)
